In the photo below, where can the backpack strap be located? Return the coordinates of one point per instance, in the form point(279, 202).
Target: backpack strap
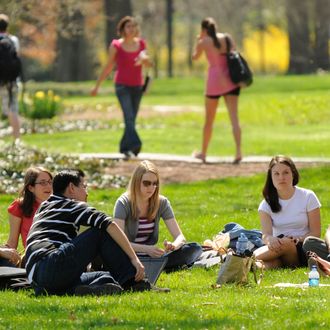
point(228, 43)
point(254, 268)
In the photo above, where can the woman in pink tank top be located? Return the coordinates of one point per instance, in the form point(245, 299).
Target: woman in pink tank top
point(218, 84)
point(129, 55)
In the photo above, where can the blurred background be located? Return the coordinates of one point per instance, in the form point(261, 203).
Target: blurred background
point(67, 40)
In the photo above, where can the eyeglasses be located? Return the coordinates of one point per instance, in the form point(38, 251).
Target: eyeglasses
point(44, 183)
point(147, 183)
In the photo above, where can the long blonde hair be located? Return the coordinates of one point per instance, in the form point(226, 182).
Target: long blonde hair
point(134, 189)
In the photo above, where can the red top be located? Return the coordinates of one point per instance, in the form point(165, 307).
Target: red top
point(127, 73)
point(26, 222)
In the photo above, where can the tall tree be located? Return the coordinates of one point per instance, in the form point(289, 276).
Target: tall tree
point(169, 19)
point(322, 29)
point(72, 62)
point(114, 11)
point(299, 37)
point(153, 29)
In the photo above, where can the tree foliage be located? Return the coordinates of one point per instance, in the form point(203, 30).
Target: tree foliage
point(68, 40)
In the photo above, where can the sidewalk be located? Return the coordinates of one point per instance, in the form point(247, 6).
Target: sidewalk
point(190, 159)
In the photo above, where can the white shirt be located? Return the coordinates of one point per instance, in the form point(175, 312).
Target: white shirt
point(292, 220)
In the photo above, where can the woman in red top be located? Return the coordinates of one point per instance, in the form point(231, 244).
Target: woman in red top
point(37, 188)
point(129, 55)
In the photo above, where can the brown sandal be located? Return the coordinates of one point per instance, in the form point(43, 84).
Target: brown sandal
point(199, 155)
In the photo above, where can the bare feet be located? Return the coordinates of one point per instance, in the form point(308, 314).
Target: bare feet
point(199, 155)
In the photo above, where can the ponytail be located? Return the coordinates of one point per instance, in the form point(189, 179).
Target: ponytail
point(209, 25)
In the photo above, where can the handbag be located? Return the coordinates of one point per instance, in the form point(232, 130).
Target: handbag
point(146, 84)
point(235, 269)
point(239, 70)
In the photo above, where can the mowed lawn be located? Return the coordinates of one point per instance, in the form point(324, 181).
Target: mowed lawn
point(202, 209)
point(281, 114)
point(287, 115)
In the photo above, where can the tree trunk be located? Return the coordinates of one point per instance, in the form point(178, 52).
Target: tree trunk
point(114, 11)
point(300, 50)
point(322, 28)
point(73, 62)
point(169, 19)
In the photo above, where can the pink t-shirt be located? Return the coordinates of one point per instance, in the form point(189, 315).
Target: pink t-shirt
point(26, 222)
point(127, 72)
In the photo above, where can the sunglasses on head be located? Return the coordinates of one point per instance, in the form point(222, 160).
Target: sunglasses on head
point(148, 183)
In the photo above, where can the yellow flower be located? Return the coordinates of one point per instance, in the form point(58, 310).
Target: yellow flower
point(57, 98)
point(39, 95)
point(50, 93)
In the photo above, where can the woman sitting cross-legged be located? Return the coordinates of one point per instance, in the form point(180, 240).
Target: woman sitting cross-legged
point(288, 215)
point(138, 212)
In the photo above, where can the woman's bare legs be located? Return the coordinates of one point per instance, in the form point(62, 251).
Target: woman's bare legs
point(232, 107)
point(14, 123)
point(210, 112)
point(286, 256)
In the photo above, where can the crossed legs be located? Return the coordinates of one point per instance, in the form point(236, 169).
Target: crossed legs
point(286, 256)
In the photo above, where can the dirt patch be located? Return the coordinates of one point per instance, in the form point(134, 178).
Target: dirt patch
point(114, 112)
point(179, 172)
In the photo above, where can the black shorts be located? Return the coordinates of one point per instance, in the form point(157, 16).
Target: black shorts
point(303, 262)
point(235, 91)
point(301, 255)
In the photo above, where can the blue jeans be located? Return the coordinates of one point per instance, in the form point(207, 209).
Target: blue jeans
point(5, 263)
point(129, 98)
point(64, 269)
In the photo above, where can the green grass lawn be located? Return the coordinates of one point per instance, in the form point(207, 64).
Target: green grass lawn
point(202, 209)
point(281, 114)
point(288, 115)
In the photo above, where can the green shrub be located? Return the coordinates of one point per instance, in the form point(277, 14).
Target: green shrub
point(41, 105)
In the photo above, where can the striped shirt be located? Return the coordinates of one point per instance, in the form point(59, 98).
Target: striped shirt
point(145, 229)
point(57, 221)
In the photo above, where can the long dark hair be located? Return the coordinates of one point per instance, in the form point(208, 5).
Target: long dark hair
point(269, 192)
point(209, 25)
point(26, 197)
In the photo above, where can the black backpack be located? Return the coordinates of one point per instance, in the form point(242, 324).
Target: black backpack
point(10, 63)
point(239, 70)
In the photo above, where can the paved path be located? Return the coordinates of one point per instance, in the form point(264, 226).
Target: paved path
point(210, 159)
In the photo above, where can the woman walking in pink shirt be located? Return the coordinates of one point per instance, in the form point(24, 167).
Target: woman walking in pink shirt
point(218, 84)
point(129, 55)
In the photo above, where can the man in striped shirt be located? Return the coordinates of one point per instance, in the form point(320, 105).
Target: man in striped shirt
point(57, 257)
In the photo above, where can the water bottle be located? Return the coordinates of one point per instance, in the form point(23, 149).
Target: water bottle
point(313, 277)
point(242, 244)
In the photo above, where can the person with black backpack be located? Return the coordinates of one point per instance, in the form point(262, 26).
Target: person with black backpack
point(10, 70)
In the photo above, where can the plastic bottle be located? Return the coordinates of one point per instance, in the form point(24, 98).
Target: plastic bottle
point(313, 277)
point(242, 244)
